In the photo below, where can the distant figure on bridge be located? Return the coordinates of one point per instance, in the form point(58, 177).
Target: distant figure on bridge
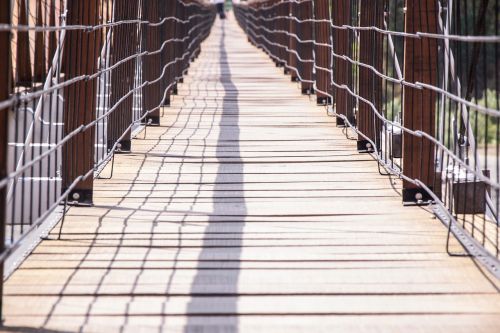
point(219, 4)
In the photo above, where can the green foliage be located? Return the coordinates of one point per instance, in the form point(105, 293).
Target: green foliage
point(486, 127)
point(393, 108)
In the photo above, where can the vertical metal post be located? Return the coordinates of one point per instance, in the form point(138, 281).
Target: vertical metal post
point(169, 9)
point(184, 29)
point(283, 13)
point(5, 90)
point(305, 31)
point(40, 69)
point(419, 105)
point(81, 53)
point(123, 44)
point(52, 34)
point(179, 47)
point(176, 46)
point(264, 24)
point(371, 53)
point(278, 36)
point(187, 28)
point(151, 62)
point(24, 75)
point(322, 52)
point(271, 26)
point(341, 15)
point(292, 42)
point(197, 31)
point(260, 24)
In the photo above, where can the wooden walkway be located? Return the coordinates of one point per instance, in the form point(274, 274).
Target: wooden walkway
point(248, 211)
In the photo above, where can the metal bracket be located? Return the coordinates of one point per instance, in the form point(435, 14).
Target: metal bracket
point(341, 122)
point(166, 102)
point(416, 197)
point(124, 147)
point(324, 100)
point(152, 120)
point(307, 91)
point(365, 146)
point(81, 198)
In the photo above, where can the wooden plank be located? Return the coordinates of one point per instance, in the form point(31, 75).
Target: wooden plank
point(248, 211)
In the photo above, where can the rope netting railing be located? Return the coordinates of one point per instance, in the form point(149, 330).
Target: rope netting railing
point(416, 83)
point(80, 79)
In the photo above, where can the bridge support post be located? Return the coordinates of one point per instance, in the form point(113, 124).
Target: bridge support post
point(265, 24)
point(24, 75)
point(81, 54)
point(151, 95)
point(322, 52)
point(280, 37)
point(292, 42)
point(168, 9)
point(342, 46)
point(419, 106)
point(122, 77)
point(176, 47)
point(5, 91)
point(187, 27)
point(371, 52)
point(283, 40)
point(179, 47)
point(184, 29)
point(40, 71)
point(271, 25)
point(305, 49)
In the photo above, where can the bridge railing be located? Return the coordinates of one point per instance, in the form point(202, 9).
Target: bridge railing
point(79, 79)
point(415, 82)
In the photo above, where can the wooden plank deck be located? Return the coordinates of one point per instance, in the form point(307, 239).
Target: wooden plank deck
point(248, 211)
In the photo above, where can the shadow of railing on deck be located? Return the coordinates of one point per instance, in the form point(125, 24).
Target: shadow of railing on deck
point(178, 128)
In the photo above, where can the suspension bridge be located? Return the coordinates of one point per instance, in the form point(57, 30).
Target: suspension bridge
point(301, 166)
